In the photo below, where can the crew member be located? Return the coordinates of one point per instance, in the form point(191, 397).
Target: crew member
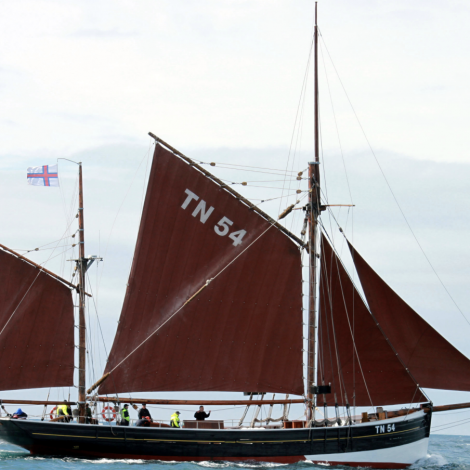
point(145, 422)
point(125, 418)
point(63, 410)
point(201, 415)
point(88, 415)
point(69, 412)
point(144, 413)
point(175, 420)
point(19, 414)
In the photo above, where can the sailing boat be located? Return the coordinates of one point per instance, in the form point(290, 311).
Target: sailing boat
point(214, 303)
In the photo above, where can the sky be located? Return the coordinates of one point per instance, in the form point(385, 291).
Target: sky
point(222, 81)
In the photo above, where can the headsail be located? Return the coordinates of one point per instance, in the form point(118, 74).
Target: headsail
point(241, 333)
point(36, 325)
point(365, 369)
point(432, 360)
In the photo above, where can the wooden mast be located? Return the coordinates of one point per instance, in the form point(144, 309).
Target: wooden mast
point(314, 211)
point(81, 264)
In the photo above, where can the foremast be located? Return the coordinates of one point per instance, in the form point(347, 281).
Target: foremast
point(314, 203)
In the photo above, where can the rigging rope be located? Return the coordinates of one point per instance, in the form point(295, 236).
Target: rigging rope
point(243, 166)
point(299, 105)
point(122, 204)
point(41, 270)
point(349, 323)
point(182, 306)
point(378, 325)
point(392, 193)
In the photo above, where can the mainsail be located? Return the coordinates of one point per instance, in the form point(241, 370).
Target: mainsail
point(354, 355)
point(36, 327)
point(243, 332)
point(432, 360)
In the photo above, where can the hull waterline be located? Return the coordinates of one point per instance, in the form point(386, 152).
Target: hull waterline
point(391, 443)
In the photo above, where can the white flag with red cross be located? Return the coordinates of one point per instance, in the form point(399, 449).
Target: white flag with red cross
point(46, 175)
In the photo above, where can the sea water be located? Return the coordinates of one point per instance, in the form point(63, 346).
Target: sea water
point(447, 452)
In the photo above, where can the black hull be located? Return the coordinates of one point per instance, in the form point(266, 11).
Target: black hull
point(277, 445)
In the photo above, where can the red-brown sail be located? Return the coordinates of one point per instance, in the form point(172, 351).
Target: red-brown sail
point(241, 333)
point(373, 375)
point(432, 360)
point(36, 325)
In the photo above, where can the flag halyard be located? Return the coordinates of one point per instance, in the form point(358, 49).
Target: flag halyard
point(46, 175)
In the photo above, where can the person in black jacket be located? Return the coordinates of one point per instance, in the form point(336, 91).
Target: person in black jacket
point(201, 415)
point(143, 413)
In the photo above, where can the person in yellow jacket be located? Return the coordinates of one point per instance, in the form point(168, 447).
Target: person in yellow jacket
point(62, 410)
point(175, 420)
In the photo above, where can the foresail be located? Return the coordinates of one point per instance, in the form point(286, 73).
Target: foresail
point(431, 359)
point(353, 354)
point(243, 332)
point(36, 327)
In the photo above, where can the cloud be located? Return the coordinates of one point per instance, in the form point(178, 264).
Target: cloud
point(103, 34)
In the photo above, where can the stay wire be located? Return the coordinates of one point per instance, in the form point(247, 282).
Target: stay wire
point(301, 97)
point(392, 193)
point(242, 166)
point(446, 426)
point(378, 324)
point(336, 123)
point(251, 171)
point(122, 204)
point(40, 270)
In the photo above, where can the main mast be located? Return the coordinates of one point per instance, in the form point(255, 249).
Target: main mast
point(81, 264)
point(314, 212)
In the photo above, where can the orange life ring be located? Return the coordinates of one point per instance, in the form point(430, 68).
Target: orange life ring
point(52, 413)
point(104, 415)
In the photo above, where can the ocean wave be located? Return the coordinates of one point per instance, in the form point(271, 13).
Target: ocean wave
point(430, 461)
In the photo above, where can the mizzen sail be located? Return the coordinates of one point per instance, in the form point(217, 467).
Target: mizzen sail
point(36, 327)
point(243, 332)
point(432, 360)
point(354, 355)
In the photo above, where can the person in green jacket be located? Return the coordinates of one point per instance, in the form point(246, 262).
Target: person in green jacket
point(125, 418)
point(175, 420)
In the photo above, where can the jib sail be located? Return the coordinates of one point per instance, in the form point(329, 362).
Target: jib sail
point(354, 356)
point(432, 360)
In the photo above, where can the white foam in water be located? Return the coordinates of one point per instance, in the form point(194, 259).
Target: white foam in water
point(113, 461)
point(213, 464)
point(222, 464)
point(431, 460)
